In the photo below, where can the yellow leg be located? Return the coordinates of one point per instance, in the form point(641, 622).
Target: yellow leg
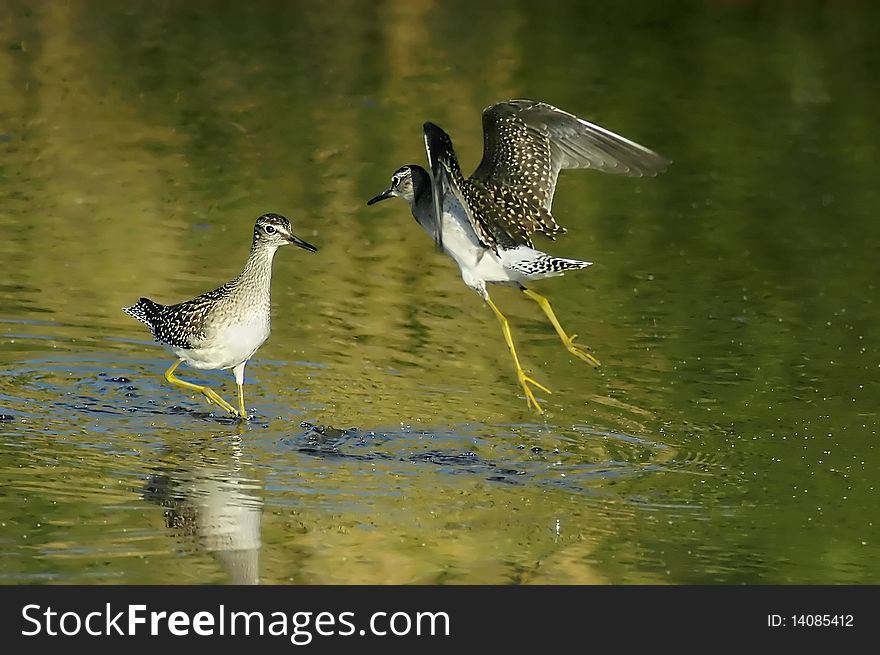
point(524, 379)
point(567, 341)
point(209, 394)
point(242, 412)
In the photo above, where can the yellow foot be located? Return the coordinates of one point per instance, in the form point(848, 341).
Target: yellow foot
point(525, 381)
point(214, 399)
point(578, 352)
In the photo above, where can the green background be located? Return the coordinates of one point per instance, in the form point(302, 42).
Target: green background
point(729, 437)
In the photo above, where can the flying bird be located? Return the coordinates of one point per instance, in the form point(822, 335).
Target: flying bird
point(486, 222)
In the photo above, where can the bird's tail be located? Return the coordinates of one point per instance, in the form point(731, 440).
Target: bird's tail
point(534, 264)
point(144, 310)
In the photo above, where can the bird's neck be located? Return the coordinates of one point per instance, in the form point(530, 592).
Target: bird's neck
point(257, 273)
point(422, 207)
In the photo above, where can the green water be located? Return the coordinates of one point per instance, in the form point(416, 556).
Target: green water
point(730, 435)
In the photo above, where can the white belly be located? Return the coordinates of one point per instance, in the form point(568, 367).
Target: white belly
point(478, 265)
point(229, 346)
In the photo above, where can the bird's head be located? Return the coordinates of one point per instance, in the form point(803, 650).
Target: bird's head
point(408, 182)
point(275, 230)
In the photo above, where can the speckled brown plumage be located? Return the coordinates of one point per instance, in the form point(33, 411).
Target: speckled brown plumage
point(184, 325)
point(525, 145)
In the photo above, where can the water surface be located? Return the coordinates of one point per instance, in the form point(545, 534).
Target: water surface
point(729, 437)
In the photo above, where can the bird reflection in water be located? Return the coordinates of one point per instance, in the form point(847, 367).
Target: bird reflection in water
point(209, 505)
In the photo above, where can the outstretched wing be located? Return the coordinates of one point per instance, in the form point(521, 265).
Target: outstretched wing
point(526, 143)
point(447, 187)
point(498, 216)
point(509, 217)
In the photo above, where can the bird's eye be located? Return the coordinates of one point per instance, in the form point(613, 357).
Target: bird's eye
point(268, 229)
point(395, 181)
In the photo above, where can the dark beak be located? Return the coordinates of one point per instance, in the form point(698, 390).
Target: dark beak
point(382, 196)
point(302, 244)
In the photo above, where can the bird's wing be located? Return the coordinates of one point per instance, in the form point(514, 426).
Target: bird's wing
point(185, 325)
point(526, 143)
point(447, 186)
point(161, 321)
point(511, 218)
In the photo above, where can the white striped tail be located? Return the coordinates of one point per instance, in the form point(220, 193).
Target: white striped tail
point(534, 264)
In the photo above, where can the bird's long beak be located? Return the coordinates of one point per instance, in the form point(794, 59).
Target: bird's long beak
point(382, 196)
point(305, 245)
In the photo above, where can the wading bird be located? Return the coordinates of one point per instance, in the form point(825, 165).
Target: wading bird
point(223, 328)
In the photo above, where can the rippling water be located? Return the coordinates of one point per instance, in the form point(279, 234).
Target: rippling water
point(730, 435)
